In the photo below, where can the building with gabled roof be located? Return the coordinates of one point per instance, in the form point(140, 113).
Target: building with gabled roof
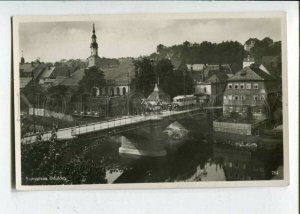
point(33, 68)
point(250, 93)
point(211, 90)
point(211, 69)
point(196, 71)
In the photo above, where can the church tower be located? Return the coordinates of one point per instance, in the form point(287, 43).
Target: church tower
point(94, 59)
point(22, 59)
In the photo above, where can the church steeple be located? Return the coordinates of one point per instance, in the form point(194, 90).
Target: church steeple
point(22, 59)
point(94, 59)
point(94, 44)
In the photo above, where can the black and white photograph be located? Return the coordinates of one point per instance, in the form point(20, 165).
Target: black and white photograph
point(150, 101)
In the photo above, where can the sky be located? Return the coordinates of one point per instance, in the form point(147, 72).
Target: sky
point(53, 41)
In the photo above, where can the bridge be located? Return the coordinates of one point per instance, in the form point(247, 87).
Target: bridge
point(140, 134)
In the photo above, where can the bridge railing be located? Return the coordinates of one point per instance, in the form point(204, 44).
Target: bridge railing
point(105, 124)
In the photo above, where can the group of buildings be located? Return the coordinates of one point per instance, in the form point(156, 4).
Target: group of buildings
point(250, 92)
point(246, 92)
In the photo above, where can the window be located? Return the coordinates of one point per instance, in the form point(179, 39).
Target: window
point(118, 91)
point(224, 97)
point(236, 97)
point(229, 86)
point(229, 97)
point(112, 92)
point(255, 85)
point(242, 86)
point(243, 97)
point(237, 109)
point(204, 89)
point(124, 90)
point(106, 91)
point(236, 86)
point(259, 111)
point(262, 97)
point(244, 109)
point(248, 86)
point(255, 97)
point(230, 109)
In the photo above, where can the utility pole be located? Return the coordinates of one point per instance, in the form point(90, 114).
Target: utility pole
point(33, 103)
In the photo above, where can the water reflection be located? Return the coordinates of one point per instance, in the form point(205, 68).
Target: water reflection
point(99, 161)
point(196, 161)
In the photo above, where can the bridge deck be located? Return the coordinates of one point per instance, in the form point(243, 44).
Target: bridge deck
point(72, 132)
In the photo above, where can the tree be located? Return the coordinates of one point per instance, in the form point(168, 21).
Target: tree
point(160, 48)
point(93, 77)
point(145, 78)
point(164, 71)
point(265, 47)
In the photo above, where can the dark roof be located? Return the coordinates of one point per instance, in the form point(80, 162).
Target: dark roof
point(114, 75)
point(217, 78)
point(24, 81)
point(73, 81)
point(47, 72)
point(27, 68)
point(63, 71)
point(158, 94)
point(119, 73)
point(212, 69)
point(252, 72)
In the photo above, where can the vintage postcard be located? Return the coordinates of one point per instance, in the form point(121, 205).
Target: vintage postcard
point(150, 101)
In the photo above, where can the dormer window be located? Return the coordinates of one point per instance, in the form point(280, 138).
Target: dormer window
point(229, 86)
point(255, 85)
point(236, 86)
point(242, 86)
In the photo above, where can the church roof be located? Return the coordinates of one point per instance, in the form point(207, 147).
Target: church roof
point(119, 73)
point(73, 81)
